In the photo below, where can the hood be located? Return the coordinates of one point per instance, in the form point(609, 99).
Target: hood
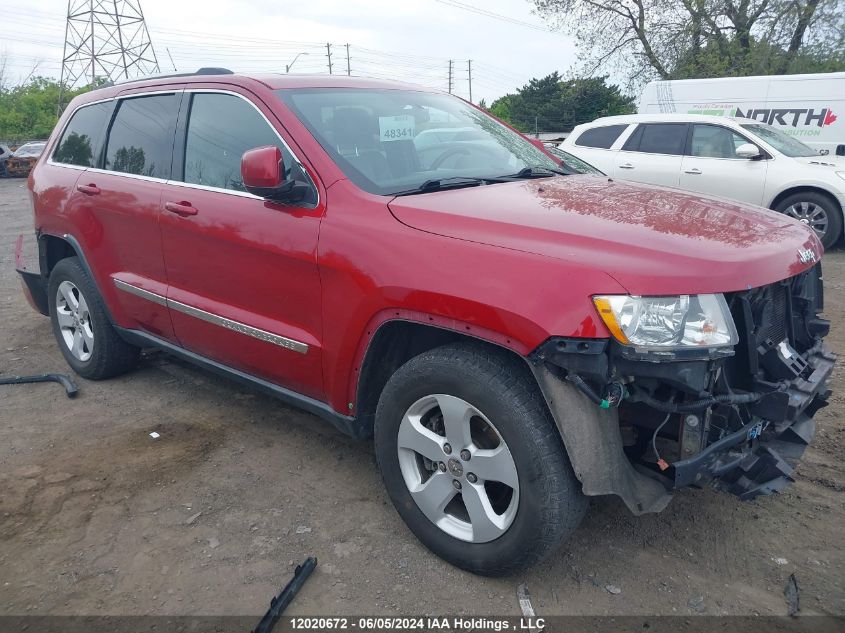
point(652, 240)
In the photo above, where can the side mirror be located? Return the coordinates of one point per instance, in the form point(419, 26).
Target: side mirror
point(748, 150)
point(262, 171)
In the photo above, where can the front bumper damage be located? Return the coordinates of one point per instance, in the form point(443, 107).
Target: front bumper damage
point(640, 427)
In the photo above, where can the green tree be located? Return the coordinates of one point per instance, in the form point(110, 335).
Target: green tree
point(673, 39)
point(75, 149)
point(131, 160)
point(555, 104)
point(28, 111)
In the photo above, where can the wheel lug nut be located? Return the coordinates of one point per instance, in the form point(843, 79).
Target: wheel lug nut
point(471, 478)
point(456, 484)
point(447, 448)
point(465, 455)
point(442, 467)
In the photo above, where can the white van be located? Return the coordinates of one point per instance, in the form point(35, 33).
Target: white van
point(808, 107)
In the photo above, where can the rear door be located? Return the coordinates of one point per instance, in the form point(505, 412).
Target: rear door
point(244, 284)
point(652, 154)
point(712, 166)
point(121, 209)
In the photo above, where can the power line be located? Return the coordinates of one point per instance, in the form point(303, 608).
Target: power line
point(491, 14)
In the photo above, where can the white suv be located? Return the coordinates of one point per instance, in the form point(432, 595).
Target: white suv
point(735, 158)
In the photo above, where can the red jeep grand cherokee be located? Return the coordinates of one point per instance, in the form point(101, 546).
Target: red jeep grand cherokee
point(398, 262)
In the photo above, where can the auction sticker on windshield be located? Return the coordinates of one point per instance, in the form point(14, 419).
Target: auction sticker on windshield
point(396, 128)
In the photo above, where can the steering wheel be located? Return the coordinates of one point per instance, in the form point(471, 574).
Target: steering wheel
point(452, 151)
point(460, 151)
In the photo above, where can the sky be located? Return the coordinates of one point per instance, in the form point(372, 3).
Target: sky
point(407, 40)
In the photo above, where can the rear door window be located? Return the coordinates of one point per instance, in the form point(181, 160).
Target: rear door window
point(658, 138)
point(82, 139)
point(602, 137)
point(141, 136)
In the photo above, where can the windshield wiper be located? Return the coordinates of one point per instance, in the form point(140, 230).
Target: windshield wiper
point(538, 172)
point(453, 182)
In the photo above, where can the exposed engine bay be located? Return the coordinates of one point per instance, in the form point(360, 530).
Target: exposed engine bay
point(737, 419)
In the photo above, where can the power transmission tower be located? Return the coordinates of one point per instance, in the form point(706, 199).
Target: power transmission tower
point(329, 55)
point(450, 76)
point(105, 39)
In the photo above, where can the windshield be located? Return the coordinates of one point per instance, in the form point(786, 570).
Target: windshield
point(30, 150)
point(783, 143)
point(392, 141)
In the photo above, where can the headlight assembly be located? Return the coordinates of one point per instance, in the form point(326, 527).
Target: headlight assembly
point(668, 323)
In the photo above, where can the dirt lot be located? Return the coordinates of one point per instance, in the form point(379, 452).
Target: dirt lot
point(98, 518)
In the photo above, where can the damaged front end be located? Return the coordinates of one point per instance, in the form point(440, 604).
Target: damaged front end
point(639, 424)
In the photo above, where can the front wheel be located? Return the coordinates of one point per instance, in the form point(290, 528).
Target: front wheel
point(818, 211)
point(473, 462)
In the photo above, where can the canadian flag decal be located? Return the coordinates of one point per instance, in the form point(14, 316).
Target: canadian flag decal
point(830, 118)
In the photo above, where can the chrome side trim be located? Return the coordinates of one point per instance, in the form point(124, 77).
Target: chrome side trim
point(111, 172)
point(228, 192)
point(240, 328)
point(140, 292)
point(50, 161)
point(215, 319)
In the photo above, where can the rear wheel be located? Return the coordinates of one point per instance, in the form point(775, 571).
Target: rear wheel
point(473, 462)
point(89, 343)
point(818, 211)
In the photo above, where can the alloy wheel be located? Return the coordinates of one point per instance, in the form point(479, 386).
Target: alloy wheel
point(74, 321)
point(811, 214)
point(458, 468)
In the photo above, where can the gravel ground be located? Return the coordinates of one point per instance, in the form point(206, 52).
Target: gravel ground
point(96, 517)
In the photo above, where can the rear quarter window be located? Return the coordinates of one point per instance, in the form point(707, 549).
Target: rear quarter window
point(600, 137)
point(82, 138)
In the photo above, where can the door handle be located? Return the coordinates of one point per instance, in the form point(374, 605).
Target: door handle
point(626, 166)
point(88, 190)
point(694, 170)
point(180, 208)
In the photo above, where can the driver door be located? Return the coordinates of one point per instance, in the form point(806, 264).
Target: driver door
point(244, 288)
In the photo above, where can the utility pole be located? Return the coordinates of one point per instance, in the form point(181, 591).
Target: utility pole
point(329, 55)
point(105, 39)
point(469, 71)
point(348, 67)
point(536, 128)
point(450, 76)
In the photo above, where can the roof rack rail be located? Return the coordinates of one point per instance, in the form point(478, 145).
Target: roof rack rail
point(209, 70)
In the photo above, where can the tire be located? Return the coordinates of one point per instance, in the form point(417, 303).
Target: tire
point(101, 353)
point(815, 209)
point(532, 518)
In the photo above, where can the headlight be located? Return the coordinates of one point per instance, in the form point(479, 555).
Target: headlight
point(662, 323)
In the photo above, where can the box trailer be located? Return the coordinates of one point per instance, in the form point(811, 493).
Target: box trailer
point(809, 107)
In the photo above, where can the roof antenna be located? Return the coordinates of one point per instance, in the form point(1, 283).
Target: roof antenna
point(171, 60)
